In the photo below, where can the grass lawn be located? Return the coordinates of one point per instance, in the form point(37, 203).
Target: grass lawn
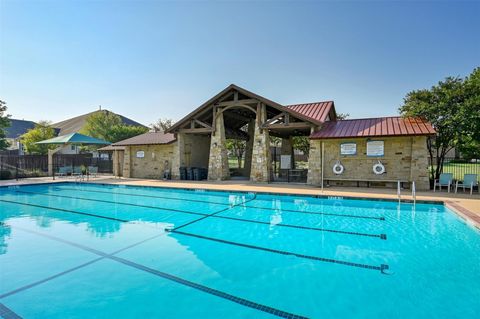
point(459, 169)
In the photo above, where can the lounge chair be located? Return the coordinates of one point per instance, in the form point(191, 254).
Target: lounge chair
point(93, 171)
point(77, 171)
point(469, 181)
point(446, 179)
point(63, 171)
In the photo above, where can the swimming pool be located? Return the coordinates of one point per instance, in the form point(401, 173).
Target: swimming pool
point(72, 250)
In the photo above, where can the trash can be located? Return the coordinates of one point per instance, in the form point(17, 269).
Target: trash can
point(190, 173)
point(183, 173)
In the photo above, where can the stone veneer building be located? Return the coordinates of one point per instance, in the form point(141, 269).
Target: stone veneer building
point(198, 140)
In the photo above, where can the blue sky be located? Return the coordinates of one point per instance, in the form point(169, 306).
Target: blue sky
point(151, 59)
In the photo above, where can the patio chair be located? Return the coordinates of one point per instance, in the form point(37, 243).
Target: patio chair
point(63, 171)
point(445, 179)
point(77, 171)
point(469, 181)
point(93, 171)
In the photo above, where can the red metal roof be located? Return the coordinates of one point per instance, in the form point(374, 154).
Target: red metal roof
point(147, 139)
point(374, 127)
point(317, 111)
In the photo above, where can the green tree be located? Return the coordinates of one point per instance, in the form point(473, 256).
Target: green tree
point(162, 124)
point(101, 125)
point(122, 132)
point(4, 123)
point(452, 107)
point(41, 131)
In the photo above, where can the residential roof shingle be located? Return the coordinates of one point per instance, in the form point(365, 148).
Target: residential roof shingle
point(148, 138)
point(374, 127)
point(75, 124)
point(18, 128)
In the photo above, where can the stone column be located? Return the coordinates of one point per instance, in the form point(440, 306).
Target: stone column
point(419, 163)
point(178, 159)
point(115, 163)
point(261, 160)
point(249, 148)
point(218, 160)
point(126, 162)
point(315, 163)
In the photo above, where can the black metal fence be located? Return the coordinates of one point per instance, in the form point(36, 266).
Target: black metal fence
point(459, 167)
point(105, 165)
point(23, 166)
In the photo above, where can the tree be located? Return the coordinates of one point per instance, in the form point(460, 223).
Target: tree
point(101, 125)
point(122, 132)
point(237, 148)
point(342, 116)
point(41, 131)
point(4, 123)
point(162, 124)
point(452, 107)
point(108, 126)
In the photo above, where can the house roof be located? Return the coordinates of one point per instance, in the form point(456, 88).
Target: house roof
point(148, 138)
point(75, 124)
point(374, 127)
point(18, 128)
point(245, 92)
point(318, 110)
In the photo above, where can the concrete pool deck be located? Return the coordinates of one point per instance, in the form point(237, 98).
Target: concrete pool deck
point(465, 205)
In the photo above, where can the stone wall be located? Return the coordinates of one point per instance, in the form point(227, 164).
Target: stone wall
point(157, 158)
point(261, 163)
point(405, 159)
point(218, 168)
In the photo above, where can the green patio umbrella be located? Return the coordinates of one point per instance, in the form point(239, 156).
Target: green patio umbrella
point(69, 139)
point(75, 138)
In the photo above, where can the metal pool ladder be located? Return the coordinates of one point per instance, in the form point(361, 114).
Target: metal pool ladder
point(414, 193)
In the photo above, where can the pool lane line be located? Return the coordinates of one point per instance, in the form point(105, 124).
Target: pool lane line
point(179, 280)
point(143, 195)
point(7, 313)
point(316, 213)
point(39, 282)
point(381, 268)
point(214, 215)
point(224, 204)
point(65, 210)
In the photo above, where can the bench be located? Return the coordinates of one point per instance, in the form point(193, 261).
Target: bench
point(368, 181)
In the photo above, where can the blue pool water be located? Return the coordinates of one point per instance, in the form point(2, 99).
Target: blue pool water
point(103, 251)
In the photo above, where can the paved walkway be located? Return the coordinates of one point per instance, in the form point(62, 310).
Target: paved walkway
point(465, 205)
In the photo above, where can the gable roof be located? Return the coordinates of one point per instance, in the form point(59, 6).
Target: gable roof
point(75, 124)
point(148, 138)
point(317, 110)
point(18, 128)
point(249, 94)
point(374, 127)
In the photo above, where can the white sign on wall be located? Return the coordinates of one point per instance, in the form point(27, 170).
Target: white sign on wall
point(285, 162)
point(140, 154)
point(348, 149)
point(375, 148)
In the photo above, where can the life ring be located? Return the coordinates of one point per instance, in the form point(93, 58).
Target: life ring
point(379, 168)
point(338, 168)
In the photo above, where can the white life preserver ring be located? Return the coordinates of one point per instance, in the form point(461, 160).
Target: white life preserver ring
point(338, 168)
point(378, 168)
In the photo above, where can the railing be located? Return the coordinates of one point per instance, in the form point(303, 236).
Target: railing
point(23, 166)
point(458, 167)
point(414, 193)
